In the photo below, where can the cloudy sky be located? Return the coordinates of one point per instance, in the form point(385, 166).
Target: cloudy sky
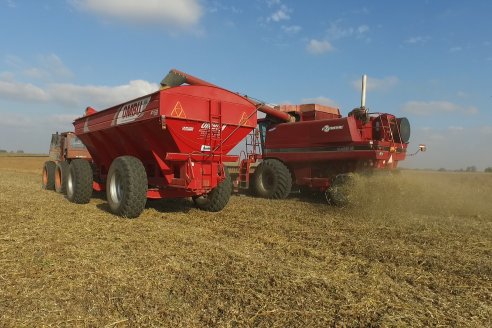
point(428, 60)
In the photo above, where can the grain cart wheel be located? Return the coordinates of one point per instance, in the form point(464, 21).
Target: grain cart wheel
point(61, 174)
point(79, 181)
point(272, 179)
point(217, 198)
point(338, 193)
point(48, 182)
point(126, 186)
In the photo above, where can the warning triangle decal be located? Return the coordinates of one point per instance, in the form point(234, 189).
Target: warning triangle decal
point(178, 111)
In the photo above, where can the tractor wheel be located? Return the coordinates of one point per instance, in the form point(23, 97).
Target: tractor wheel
point(61, 174)
point(217, 198)
point(272, 180)
point(338, 193)
point(126, 187)
point(79, 181)
point(48, 182)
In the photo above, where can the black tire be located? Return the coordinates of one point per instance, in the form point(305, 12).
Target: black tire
point(61, 174)
point(338, 193)
point(48, 179)
point(79, 181)
point(272, 180)
point(217, 198)
point(126, 187)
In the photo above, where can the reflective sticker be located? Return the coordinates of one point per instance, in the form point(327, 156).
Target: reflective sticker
point(178, 111)
point(86, 126)
point(243, 119)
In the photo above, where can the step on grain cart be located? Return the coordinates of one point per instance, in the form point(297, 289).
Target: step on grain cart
point(312, 148)
point(169, 144)
point(64, 148)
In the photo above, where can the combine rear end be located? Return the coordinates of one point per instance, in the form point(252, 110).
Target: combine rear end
point(317, 149)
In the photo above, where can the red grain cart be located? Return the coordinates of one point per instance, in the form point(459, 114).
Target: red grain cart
point(168, 144)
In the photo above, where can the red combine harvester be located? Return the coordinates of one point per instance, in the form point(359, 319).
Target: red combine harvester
point(168, 144)
point(313, 148)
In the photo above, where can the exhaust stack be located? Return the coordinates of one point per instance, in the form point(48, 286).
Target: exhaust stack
point(363, 96)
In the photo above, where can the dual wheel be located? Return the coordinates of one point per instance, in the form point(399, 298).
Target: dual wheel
point(55, 176)
point(73, 179)
point(126, 185)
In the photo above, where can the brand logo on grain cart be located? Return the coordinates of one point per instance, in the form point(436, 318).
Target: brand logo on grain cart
point(131, 111)
point(328, 128)
point(215, 126)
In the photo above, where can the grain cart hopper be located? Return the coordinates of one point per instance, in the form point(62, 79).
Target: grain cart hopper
point(312, 147)
point(168, 144)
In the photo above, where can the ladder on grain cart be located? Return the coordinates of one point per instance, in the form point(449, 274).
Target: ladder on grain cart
point(247, 158)
point(213, 143)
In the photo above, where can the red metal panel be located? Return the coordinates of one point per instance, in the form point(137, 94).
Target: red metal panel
point(174, 120)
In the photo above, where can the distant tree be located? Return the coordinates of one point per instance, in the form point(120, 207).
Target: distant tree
point(488, 170)
point(3, 151)
point(442, 169)
point(471, 169)
point(20, 152)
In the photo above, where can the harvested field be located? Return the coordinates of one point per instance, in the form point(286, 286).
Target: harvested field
point(415, 251)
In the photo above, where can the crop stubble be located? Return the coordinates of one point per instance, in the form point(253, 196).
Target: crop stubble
point(414, 251)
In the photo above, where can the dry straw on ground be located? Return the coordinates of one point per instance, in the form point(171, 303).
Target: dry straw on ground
point(415, 250)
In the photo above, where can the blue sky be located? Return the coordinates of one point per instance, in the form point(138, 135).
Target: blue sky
point(428, 60)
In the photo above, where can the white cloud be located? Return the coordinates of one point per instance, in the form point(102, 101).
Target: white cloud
point(75, 95)
point(335, 31)
point(293, 29)
point(51, 67)
point(15, 120)
point(456, 128)
point(427, 108)
point(317, 47)
point(271, 3)
point(11, 3)
point(362, 29)
point(100, 96)
point(283, 13)
point(375, 84)
point(462, 94)
point(171, 13)
point(320, 100)
point(22, 91)
point(417, 40)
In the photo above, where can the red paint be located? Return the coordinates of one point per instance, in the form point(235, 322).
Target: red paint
point(181, 135)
